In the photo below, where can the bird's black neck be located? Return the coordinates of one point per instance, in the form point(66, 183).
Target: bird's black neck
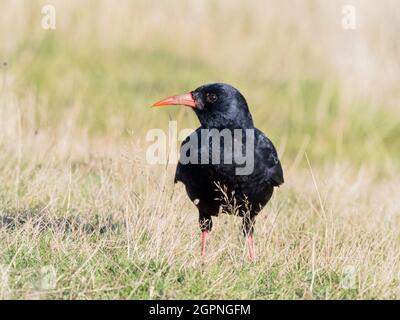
point(241, 120)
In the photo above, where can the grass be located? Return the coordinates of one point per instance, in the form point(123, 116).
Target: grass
point(79, 201)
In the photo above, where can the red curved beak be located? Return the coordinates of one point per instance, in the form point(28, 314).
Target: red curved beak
point(185, 99)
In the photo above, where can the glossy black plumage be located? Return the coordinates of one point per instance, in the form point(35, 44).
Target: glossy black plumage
point(221, 106)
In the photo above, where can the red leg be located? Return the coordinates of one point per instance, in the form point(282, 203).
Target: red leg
point(251, 247)
point(204, 235)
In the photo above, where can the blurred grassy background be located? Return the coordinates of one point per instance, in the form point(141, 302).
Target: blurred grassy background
point(74, 111)
point(311, 84)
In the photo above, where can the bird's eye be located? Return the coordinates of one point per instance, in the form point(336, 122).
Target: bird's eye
point(211, 97)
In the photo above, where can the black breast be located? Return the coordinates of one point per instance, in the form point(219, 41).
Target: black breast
point(213, 183)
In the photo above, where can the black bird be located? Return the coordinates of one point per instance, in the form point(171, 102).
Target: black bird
point(211, 185)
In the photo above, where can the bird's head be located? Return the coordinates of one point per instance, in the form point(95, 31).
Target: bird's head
point(217, 105)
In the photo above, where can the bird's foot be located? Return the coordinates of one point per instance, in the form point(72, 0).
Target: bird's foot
point(204, 236)
point(250, 246)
